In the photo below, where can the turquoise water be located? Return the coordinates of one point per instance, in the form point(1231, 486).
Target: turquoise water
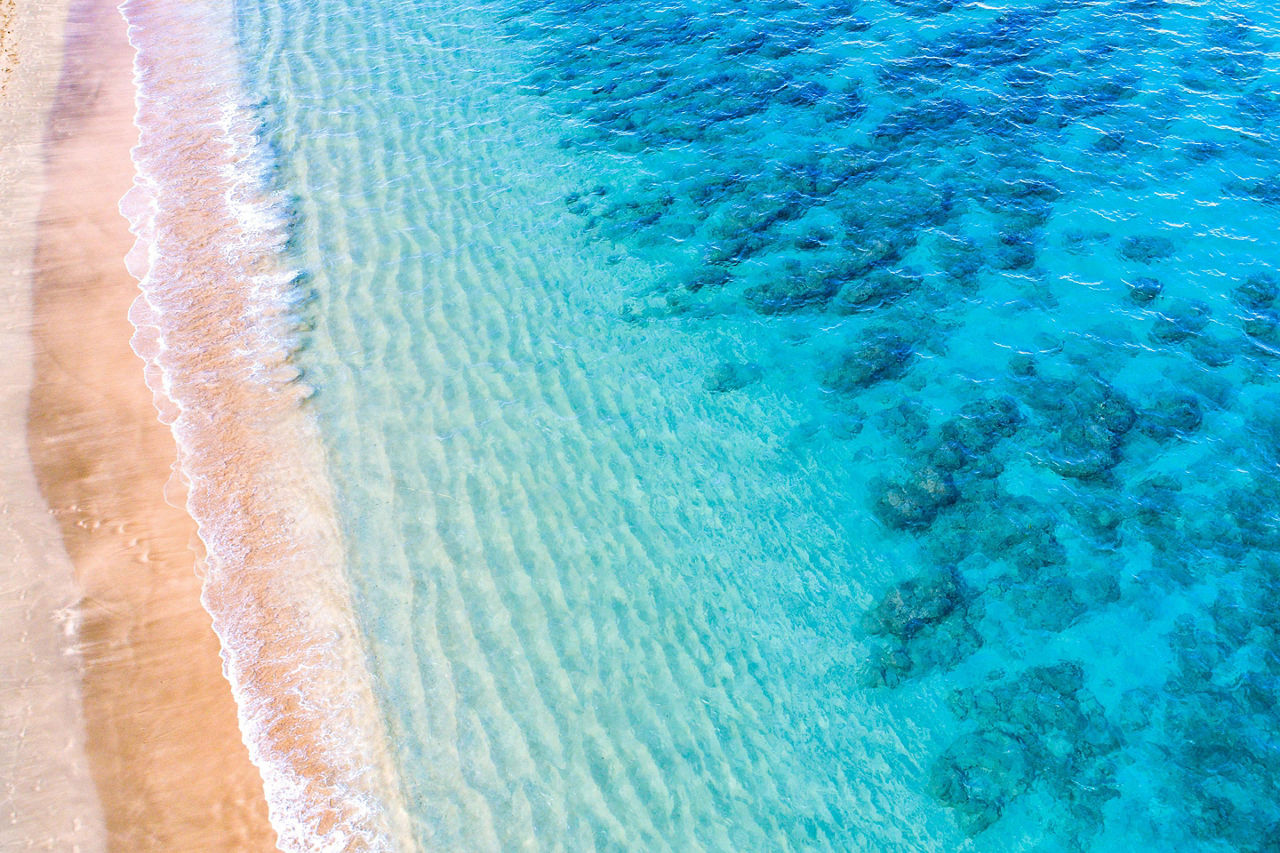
point(783, 425)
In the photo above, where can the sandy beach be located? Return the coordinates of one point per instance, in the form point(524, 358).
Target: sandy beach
point(160, 731)
point(47, 797)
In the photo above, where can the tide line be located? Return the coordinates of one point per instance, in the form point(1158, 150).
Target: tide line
point(215, 325)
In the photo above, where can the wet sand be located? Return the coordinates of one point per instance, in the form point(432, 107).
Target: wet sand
point(163, 744)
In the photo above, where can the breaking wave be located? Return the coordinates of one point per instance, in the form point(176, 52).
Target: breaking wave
point(216, 324)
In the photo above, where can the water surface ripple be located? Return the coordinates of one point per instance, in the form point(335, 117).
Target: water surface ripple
point(800, 425)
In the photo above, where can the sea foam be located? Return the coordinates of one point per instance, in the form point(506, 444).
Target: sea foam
point(215, 324)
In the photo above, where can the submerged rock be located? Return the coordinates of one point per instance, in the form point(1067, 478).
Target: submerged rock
point(960, 258)
point(1211, 351)
point(1109, 143)
point(1112, 411)
point(1144, 289)
point(928, 622)
point(1265, 191)
point(799, 288)
point(1157, 507)
point(1083, 450)
point(731, 376)
point(1016, 251)
point(1087, 420)
point(1171, 415)
point(978, 776)
point(1041, 728)
point(1258, 292)
point(966, 440)
point(917, 603)
point(924, 8)
point(1048, 603)
point(1147, 248)
point(708, 277)
point(1263, 329)
point(907, 421)
point(1202, 152)
point(874, 289)
point(881, 354)
point(914, 503)
point(935, 116)
point(1179, 322)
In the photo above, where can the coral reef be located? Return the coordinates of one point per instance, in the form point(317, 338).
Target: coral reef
point(1050, 398)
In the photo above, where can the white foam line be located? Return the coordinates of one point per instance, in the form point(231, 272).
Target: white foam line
point(214, 325)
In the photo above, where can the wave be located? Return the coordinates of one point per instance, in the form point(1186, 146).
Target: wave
point(216, 324)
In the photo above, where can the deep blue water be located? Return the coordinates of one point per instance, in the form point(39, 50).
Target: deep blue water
point(801, 425)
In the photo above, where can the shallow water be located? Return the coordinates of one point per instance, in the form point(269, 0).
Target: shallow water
point(781, 425)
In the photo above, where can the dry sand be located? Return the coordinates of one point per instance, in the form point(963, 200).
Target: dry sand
point(163, 745)
point(47, 798)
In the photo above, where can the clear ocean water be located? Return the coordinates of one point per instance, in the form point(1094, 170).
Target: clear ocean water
point(799, 424)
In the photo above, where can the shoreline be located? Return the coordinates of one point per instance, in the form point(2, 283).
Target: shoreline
point(164, 746)
point(216, 324)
